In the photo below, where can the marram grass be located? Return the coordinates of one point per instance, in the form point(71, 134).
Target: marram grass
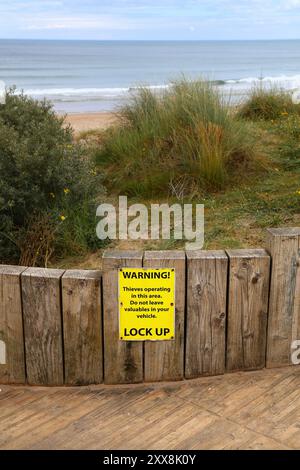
point(186, 134)
point(268, 104)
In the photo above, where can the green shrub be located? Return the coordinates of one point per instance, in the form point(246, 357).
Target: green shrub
point(268, 104)
point(185, 134)
point(45, 179)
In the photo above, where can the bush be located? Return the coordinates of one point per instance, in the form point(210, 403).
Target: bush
point(45, 179)
point(268, 104)
point(186, 134)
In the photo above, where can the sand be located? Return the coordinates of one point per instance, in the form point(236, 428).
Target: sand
point(88, 121)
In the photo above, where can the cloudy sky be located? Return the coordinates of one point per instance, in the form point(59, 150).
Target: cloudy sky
point(150, 19)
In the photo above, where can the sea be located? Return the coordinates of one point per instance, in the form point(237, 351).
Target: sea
point(97, 76)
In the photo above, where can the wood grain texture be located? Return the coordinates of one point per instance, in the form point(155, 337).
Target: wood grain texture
point(164, 360)
point(206, 313)
point(12, 370)
point(253, 410)
point(82, 325)
point(248, 294)
point(42, 315)
point(284, 307)
point(123, 361)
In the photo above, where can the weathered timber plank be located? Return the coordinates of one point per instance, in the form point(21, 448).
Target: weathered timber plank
point(164, 360)
point(12, 360)
point(42, 316)
point(82, 325)
point(249, 274)
point(257, 410)
point(284, 305)
point(123, 361)
point(206, 313)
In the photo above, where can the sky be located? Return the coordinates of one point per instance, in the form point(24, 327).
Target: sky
point(150, 19)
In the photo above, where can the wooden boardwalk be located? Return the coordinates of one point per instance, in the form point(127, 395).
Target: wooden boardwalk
point(245, 410)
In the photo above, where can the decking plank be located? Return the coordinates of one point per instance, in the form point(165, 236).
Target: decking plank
point(253, 410)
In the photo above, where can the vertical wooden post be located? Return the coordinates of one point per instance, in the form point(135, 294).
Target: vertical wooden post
point(43, 325)
point(12, 361)
point(123, 361)
point(284, 306)
point(249, 273)
point(82, 325)
point(206, 313)
point(164, 359)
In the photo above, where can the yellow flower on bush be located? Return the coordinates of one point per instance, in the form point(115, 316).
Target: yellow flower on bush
point(62, 217)
point(298, 192)
point(66, 191)
point(284, 113)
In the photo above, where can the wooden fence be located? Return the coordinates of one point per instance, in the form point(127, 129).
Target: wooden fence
point(235, 310)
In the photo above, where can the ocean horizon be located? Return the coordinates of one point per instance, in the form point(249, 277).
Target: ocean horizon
point(95, 76)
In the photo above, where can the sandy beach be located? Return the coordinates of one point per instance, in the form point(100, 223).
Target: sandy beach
point(82, 122)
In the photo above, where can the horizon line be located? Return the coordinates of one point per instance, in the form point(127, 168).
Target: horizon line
point(148, 40)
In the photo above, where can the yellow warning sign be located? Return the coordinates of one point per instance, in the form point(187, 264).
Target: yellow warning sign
point(147, 304)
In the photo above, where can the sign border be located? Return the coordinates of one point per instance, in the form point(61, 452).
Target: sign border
point(174, 311)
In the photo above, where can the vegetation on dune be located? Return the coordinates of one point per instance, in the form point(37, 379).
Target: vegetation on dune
point(185, 138)
point(237, 215)
point(268, 104)
point(288, 130)
point(185, 144)
point(47, 185)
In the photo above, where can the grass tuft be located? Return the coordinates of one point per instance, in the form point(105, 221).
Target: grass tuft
point(268, 104)
point(187, 133)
